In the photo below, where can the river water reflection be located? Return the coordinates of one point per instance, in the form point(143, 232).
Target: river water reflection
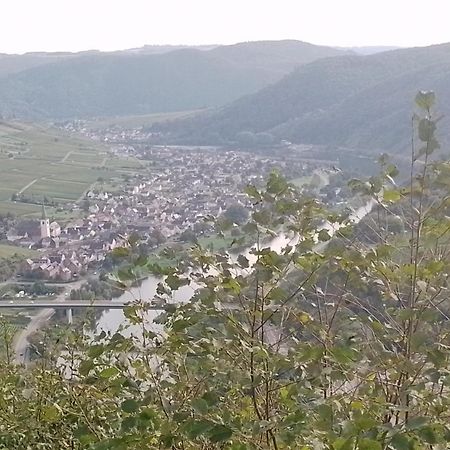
point(110, 320)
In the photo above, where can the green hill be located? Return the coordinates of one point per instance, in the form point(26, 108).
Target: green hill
point(136, 82)
point(355, 101)
point(42, 164)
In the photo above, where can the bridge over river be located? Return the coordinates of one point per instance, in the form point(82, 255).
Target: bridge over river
point(46, 310)
point(67, 304)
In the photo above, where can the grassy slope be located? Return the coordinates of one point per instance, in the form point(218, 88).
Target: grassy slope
point(7, 251)
point(51, 163)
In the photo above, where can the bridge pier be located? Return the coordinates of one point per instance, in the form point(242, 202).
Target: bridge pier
point(69, 315)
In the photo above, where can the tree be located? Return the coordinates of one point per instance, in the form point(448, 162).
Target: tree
point(39, 288)
point(311, 339)
point(188, 235)
point(246, 138)
point(265, 138)
point(85, 205)
point(237, 214)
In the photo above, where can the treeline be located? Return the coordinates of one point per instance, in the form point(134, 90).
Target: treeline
point(95, 289)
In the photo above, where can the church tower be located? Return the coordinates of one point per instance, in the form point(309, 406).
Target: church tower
point(45, 224)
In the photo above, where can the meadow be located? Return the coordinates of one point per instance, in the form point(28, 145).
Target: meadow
point(39, 162)
point(6, 251)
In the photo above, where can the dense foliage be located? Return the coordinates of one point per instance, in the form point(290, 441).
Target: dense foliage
point(312, 339)
point(93, 289)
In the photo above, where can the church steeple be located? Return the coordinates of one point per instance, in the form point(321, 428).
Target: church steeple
point(44, 224)
point(44, 213)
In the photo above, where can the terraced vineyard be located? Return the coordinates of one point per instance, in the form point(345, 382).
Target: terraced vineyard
point(39, 162)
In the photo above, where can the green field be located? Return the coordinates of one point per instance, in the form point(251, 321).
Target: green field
point(38, 161)
point(124, 164)
point(6, 251)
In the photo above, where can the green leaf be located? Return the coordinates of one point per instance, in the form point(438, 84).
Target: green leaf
point(129, 406)
point(130, 312)
point(343, 444)
point(175, 282)
point(365, 422)
point(401, 442)
point(121, 252)
point(324, 236)
point(85, 367)
point(51, 413)
point(253, 193)
point(416, 422)
point(198, 428)
point(276, 183)
point(96, 350)
point(109, 372)
point(200, 405)
point(243, 261)
point(428, 435)
point(220, 433)
point(425, 99)
point(84, 435)
point(211, 398)
point(369, 444)
point(391, 170)
point(128, 423)
point(167, 440)
point(126, 274)
point(180, 325)
point(230, 284)
point(391, 195)
point(426, 130)
point(141, 260)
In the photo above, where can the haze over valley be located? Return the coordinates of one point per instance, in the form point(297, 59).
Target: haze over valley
point(224, 225)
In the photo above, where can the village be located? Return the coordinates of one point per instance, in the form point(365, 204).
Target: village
point(179, 187)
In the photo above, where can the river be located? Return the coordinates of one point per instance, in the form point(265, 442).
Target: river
point(110, 320)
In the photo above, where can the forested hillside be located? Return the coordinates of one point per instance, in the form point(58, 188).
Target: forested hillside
point(139, 82)
point(355, 101)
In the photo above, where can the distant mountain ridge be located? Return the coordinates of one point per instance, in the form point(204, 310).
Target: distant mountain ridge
point(370, 50)
point(147, 80)
point(352, 100)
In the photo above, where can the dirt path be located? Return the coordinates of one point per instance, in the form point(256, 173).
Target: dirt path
point(38, 321)
point(83, 195)
point(65, 157)
point(21, 340)
point(28, 185)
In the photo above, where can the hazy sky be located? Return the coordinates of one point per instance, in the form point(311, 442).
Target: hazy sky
point(49, 25)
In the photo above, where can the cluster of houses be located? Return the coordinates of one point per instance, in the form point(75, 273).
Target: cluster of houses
point(68, 264)
point(178, 188)
point(66, 252)
point(58, 267)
